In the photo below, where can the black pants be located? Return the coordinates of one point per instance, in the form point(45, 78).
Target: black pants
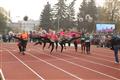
point(47, 40)
point(63, 43)
point(56, 43)
point(22, 45)
point(87, 44)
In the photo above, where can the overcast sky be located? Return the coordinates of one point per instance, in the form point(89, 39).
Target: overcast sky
point(31, 8)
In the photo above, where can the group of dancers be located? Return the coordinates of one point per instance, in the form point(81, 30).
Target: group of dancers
point(54, 39)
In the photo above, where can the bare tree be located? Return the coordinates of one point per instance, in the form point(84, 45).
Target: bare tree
point(113, 9)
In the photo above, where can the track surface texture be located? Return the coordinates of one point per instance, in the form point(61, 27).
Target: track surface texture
point(39, 64)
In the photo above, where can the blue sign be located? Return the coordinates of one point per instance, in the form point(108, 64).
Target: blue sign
point(104, 27)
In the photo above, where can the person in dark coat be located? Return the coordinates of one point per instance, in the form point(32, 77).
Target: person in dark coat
point(115, 43)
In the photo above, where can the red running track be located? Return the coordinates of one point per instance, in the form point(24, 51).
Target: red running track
point(38, 64)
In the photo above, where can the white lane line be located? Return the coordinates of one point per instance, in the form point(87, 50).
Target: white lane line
point(110, 52)
point(55, 67)
point(29, 61)
point(82, 67)
point(102, 55)
point(100, 59)
point(26, 66)
point(2, 50)
point(86, 60)
point(92, 62)
point(103, 59)
point(3, 77)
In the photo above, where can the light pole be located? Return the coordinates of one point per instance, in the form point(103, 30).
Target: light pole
point(80, 21)
point(25, 19)
point(34, 25)
point(89, 22)
point(58, 22)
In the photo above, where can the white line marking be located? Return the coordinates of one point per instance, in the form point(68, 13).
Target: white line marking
point(29, 61)
point(87, 61)
point(55, 67)
point(91, 62)
point(26, 66)
point(102, 55)
point(106, 56)
point(3, 77)
point(85, 68)
point(110, 52)
point(103, 59)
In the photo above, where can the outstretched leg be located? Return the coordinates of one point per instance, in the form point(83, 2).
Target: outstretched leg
point(52, 44)
point(44, 44)
point(61, 47)
point(56, 42)
point(75, 45)
point(83, 47)
point(38, 43)
point(49, 45)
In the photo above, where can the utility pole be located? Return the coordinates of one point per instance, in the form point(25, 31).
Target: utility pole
point(58, 23)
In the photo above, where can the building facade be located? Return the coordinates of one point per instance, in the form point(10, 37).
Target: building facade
point(27, 26)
